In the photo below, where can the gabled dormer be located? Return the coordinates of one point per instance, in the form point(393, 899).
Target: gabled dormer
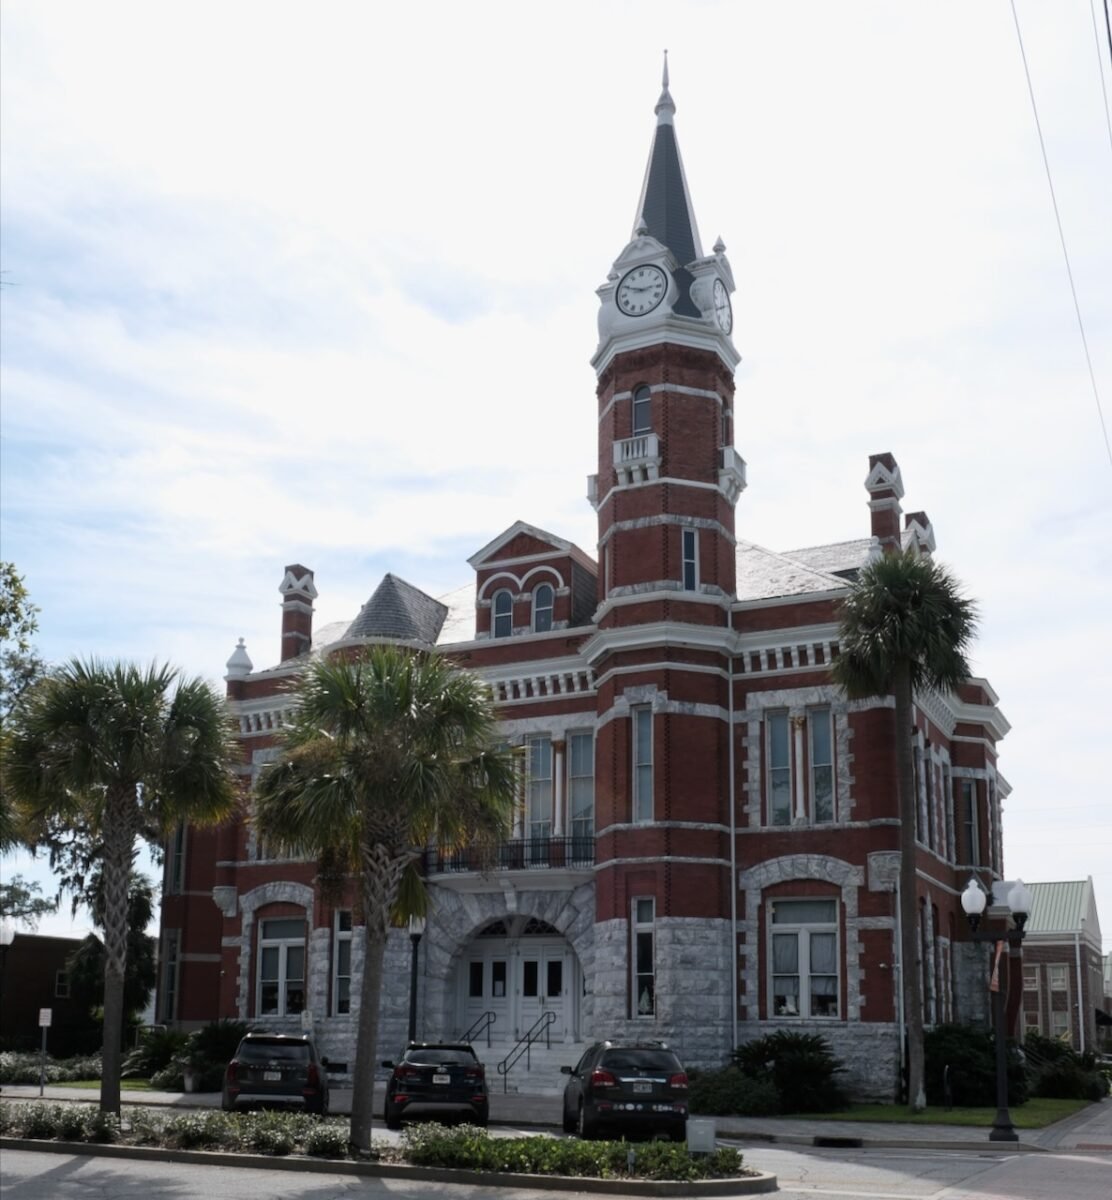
point(530, 582)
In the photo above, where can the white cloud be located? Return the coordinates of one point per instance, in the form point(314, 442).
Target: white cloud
point(318, 286)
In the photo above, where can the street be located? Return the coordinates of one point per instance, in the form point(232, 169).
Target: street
point(862, 1174)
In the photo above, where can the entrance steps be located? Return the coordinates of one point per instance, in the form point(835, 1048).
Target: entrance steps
point(535, 1073)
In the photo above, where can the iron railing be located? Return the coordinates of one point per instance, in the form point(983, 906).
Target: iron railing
point(520, 854)
point(540, 1028)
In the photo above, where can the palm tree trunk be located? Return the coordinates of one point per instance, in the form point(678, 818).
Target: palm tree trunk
point(366, 1040)
point(910, 979)
point(119, 843)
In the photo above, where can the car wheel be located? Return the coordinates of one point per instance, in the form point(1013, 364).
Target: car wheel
point(482, 1121)
point(586, 1128)
point(392, 1117)
point(569, 1121)
point(227, 1103)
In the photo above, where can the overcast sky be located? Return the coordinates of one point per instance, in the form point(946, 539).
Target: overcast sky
point(315, 283)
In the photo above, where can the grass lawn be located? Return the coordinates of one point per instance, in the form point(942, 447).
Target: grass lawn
point(126, 1085)
point(1037, 1113)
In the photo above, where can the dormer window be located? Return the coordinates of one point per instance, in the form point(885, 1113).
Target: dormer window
point(503, 609)
point(542, 608)
point(642, 410)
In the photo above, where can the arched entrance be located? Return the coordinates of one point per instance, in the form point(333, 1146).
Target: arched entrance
point(519, 968)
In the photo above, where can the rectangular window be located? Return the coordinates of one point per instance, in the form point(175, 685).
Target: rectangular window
point(971, 821)
point(281, 971)
point(538, 792)
point(642, 718)
point(1031, 979)
point(1031, 1020)
point(644, 957)
point(1059, 978)
point(779, 770)
point(61, 985)
point(341, 976)
point(581, 791)
point(642, 410)
point(475, 980)
point(171, 947)
point(175, 861)
point(1060, 1025)
point(690, 556)
point(804, 954)
point(822, 766)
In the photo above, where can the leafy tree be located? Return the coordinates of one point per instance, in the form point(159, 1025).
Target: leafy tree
point(20, 666)
point(386, 754)
point(905, 627)
point(22, 900)
point(119, 753)
point(85, 966)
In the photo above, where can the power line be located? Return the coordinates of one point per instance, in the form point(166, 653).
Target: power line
point(1061, 234)
point(1100, 61)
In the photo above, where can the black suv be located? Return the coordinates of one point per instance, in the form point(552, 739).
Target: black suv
point(276, 1068)
point(628, 1086)
point(436, 1078)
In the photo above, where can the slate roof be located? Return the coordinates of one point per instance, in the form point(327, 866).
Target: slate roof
point(399, 610)
point(764, 574)
point(839, 558)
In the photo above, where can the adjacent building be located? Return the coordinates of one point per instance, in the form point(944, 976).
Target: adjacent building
point(706, 843)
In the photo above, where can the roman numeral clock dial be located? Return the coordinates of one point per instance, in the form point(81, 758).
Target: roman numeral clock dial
point(641, 290)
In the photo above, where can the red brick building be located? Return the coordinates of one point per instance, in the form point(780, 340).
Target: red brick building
point(706, 846)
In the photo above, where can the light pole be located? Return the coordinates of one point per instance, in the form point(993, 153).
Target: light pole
point(416, 928)
point(974, 901)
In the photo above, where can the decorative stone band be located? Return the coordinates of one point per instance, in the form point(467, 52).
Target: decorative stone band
point(519, 688)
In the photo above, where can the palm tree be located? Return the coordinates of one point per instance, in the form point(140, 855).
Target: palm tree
point(905, 627)
point(118, 753)
point(386, 755)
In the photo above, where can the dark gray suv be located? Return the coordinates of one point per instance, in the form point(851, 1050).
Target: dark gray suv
point(436, 1079)
point(626, 1087)
point(276, 1068)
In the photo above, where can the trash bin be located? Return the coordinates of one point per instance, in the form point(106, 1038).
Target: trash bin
point(701, 1135)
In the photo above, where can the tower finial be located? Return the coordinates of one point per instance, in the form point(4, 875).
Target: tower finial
point(665, 106)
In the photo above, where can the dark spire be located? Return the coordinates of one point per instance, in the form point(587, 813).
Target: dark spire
point(664, 209)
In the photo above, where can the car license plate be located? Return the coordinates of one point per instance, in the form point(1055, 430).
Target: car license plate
point(642, 1085)
point(441, 1077)
point(272, 1076)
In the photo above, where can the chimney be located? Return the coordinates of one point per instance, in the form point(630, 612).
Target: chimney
point(885, 488)
point(298, 594)
point(918, 524)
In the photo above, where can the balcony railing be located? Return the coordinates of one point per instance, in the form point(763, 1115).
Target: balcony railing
point(731, 474)
point(637, 459)
point(521, 854)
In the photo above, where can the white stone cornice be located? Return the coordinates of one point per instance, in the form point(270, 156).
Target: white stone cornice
point(661, 633)
point(655, 591)
point(691, 332)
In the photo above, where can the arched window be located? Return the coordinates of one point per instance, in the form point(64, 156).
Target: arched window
point(642, 410)
point(542, 608)
point(503, 614)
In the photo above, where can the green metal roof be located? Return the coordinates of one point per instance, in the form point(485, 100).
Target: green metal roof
point(1059, 907)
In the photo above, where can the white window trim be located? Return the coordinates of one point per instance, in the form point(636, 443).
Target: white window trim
point(494, 614)
point(61, 985)
point(813, 716)
point(571, 735)
point(637, 927)
point(340, 936)
point(643, 806)
point(550, 607)
point(538, 787)
point(283, 945)
point(776, 715)
point(175, 862)
point(689, 557)
point(803, 932)
point(647, 404)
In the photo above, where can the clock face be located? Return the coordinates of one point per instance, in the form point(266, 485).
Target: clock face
point(641, 290)
point(723, 313)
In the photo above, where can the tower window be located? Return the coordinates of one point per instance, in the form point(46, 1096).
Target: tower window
point(542, 608)
point(642, 763)
point(503, 614)
point(779, 770)
point(644, 956)
point(690, 540)
point(642, 410)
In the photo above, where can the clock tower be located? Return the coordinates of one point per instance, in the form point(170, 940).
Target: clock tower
point(668, 479)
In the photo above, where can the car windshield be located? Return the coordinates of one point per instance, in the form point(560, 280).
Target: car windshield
point(640, 1060)
point(269, 1051)
point(435, 1058)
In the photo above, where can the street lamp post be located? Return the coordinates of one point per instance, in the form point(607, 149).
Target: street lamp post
point(416, 928)
point(974, 901)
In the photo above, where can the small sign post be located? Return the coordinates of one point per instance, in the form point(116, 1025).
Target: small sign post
point(45, 1015)
point(306, 1020)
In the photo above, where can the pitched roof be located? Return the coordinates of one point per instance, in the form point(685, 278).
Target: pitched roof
point(764, 574)
point(1060, 907)
point(399, 610)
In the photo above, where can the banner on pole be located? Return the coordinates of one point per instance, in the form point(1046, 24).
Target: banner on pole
point(994, 981)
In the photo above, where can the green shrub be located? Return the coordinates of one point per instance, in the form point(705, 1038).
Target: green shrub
point(70, 1126)
point(326, 1139)
point(102, 1127)
point(36, 1120)
point(23, 1067)
point(1067, 1080)
point(267, 1133)
point(730, 1093)
point(155, 1052)
point(195, 1131)
point(800, 1065)
point(970, 1053)
point(146, 1126)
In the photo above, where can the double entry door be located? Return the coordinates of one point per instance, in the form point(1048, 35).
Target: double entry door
point(519, 981)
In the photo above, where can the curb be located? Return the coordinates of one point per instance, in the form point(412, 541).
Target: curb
point(839, 1142)
point(756, 1183)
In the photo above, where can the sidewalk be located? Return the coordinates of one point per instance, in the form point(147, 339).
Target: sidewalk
point(1090, 1129)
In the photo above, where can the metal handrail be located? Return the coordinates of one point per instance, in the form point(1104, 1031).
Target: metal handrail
point(480, 1025)
point(539, 1028)
point(576, 851)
